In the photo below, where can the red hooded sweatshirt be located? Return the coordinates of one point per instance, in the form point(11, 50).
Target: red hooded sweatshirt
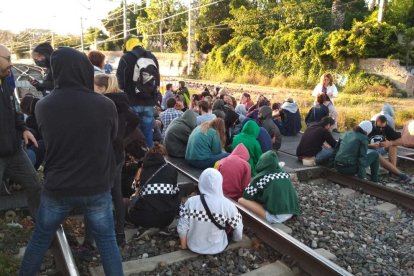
point(235, 170)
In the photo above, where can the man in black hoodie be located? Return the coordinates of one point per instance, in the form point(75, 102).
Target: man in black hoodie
point(41, 56)
point(142, 103)
point(14, 162)
point(78, 127)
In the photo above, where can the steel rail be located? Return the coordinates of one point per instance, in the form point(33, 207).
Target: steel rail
point(63, 254)
point(377, 190)
point(309, 260)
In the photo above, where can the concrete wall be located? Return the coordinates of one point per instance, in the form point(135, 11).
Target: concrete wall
point(171, 64)
point(391, 69)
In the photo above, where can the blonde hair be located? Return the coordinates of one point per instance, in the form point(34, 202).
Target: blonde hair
point(219, 126)
point(329, 76)
point(108, 81)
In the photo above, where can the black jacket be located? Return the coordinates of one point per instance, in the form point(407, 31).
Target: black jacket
point(312, 140)
point(11, 123)
point(78, 127)
point(160, 194)
point(47, 85)
point(127, 122)
point(125, 73)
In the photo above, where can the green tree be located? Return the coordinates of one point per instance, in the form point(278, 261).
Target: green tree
point(400, 11)
point(95, 35)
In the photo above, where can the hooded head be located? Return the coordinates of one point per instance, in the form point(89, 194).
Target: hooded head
point(189, 117)
point(241, 109)
point(388, 110)
point(131, 42)
point(71, 68)
point(266, 112)
point(366, 126)
point(211, 182)
point(241, 151)
point(268, 163)
point(41, 54)
point(218, 105)
point(251, 128)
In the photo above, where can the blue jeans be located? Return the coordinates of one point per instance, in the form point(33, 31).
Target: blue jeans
point(208, 163)
point(146, 114)
point(323, 155)
point(19, 168)
point(52, 211)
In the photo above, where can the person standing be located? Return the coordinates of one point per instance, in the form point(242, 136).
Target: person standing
point(79, 162)
point(41, 56)
point(327, 88)
point(14, 162)
point(141, 85)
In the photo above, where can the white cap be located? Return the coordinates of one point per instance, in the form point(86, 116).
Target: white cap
point(366, 126)
point(411, 127)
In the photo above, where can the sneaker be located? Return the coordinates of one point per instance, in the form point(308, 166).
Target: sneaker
point(404, 179)
point(165, 231)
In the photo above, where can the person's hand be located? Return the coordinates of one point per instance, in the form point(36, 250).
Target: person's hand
point(34, 82)
point(28, 136)
point(385, 144)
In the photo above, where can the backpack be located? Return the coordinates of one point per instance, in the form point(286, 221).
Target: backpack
point(146, 75)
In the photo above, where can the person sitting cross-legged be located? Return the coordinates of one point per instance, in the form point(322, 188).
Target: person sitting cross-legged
point(270, 194)
point(169, 115)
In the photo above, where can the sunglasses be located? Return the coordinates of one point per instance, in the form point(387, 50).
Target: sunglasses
point(7, 58)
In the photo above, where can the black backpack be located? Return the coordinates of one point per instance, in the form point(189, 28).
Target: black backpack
point(146, 75)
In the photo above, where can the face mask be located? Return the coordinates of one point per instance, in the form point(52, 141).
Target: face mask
point(40, 63)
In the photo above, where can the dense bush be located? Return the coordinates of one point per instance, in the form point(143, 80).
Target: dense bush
point(296, 58)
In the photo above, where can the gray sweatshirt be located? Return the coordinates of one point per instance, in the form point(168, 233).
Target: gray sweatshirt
point(203, 236)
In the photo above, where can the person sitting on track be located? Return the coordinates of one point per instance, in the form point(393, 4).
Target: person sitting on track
point(291, 123)
point(317, 112)
point(235, 171)
point(206, 144)
point(168, 115)
point(270, 194)
point(248, 137)
point(156, 200)
point(196, 229)
point(384, 139)
point(388, 112)
point(98, 61)
point(265, 119)
point(205, 115)
point(246, 100)
point(407, 135)
point(317, 142)
point(353, 155)
point(178, 132)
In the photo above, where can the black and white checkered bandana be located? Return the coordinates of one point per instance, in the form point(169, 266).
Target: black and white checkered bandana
point(202, 216)
point(261, 184)
point(160, 188)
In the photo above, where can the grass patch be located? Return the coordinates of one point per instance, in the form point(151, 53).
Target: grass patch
point(8, 265)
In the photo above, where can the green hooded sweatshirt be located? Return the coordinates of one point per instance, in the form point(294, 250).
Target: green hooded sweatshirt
point(272, 187)
point(248, 137)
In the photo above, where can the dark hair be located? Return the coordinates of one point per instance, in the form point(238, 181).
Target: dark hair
point(203, 105)
point(320, 98)
point(195, 97)
point(157, 148)
point(171, 102)
point(247, 95)
point(381, 118)
point(168, 86)
point(327, 121)
point(96, 58)
point(275, 106)
point(263, 102)
point(205, 94)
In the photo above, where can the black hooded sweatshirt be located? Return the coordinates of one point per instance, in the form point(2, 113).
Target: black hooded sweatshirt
point(78, 127)
point(159, 198)
point(47, 85)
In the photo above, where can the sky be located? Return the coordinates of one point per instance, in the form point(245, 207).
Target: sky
point(62, 17)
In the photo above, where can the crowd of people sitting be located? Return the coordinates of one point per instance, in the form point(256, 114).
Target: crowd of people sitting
point(98, 133)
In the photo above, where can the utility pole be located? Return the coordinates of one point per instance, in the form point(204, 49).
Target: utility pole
point(381, 10)
point(82, 46)
point(189, 40)
point(162, 21)
point(125, 19)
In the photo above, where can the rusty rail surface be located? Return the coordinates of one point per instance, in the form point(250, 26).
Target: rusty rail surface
point(309, 260)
